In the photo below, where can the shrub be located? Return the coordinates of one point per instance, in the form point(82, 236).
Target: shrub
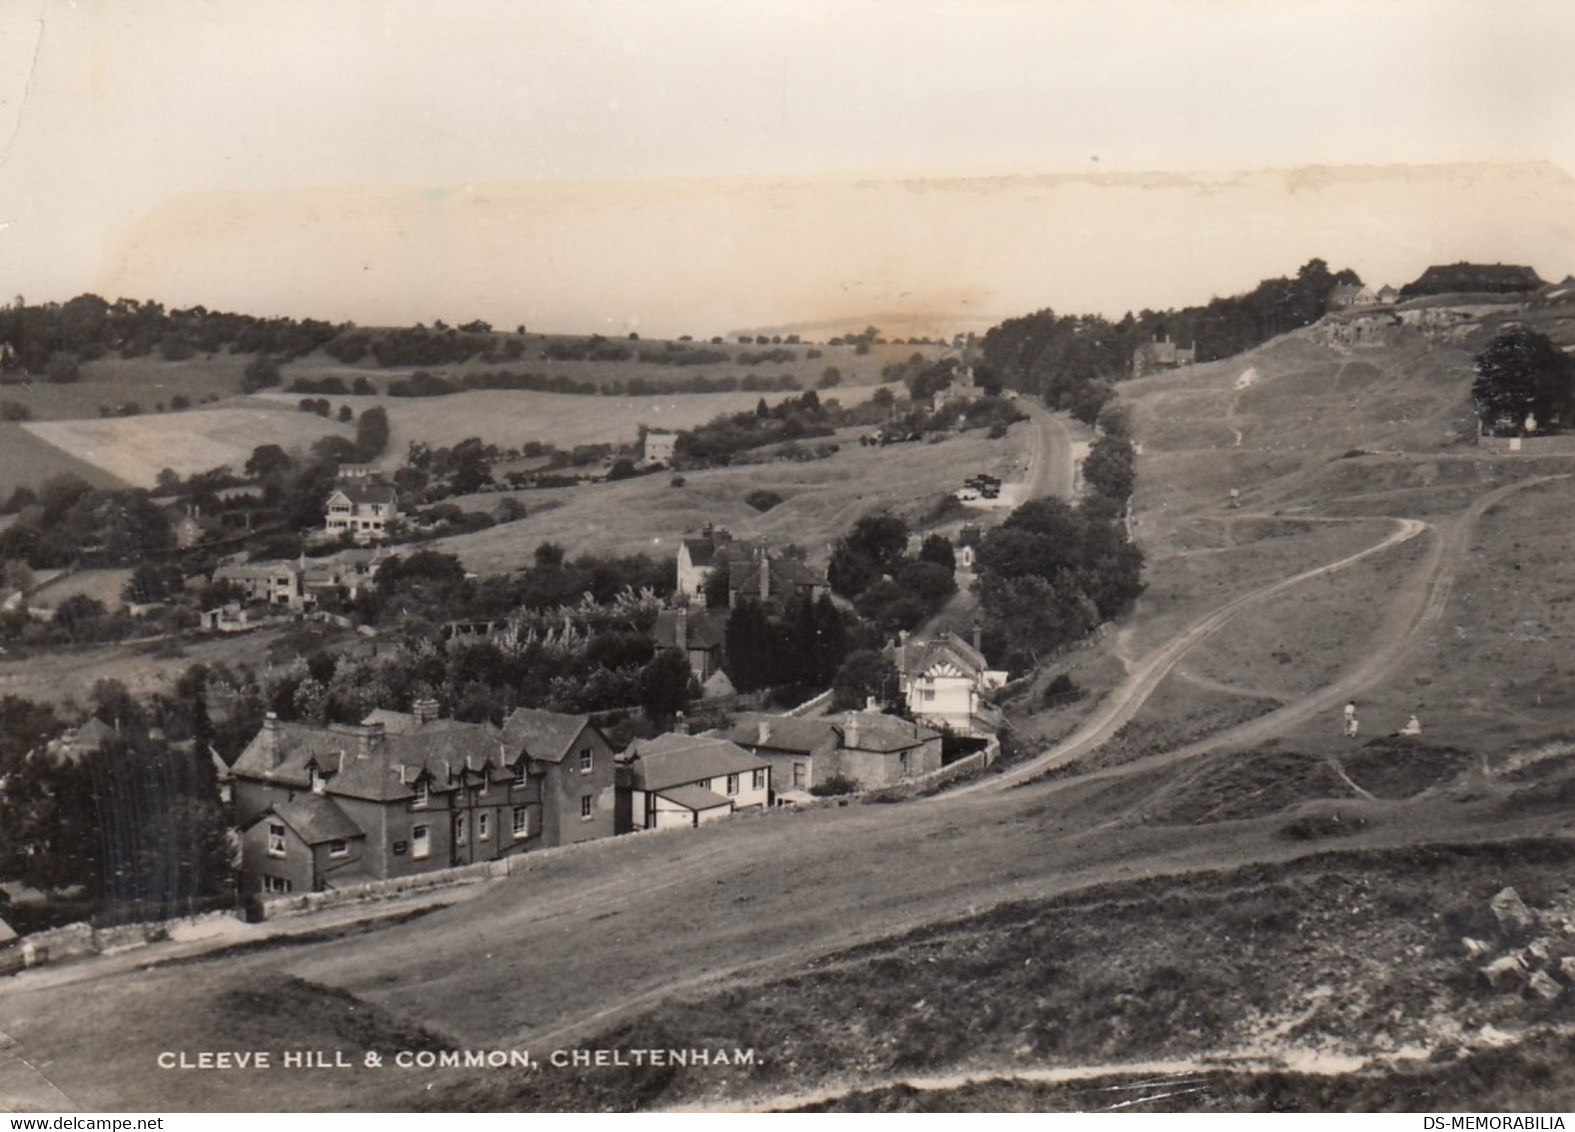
point(834, 786)
point(762, 499)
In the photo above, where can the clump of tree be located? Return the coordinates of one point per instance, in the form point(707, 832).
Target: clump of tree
point(1049, 575)
point(69, 520)
point(1522, 374)
point(871, 567)
point(1071, 361)
point(717, 442)
point(799, 650)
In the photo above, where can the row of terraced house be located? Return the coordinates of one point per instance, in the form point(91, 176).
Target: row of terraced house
point(402, 793)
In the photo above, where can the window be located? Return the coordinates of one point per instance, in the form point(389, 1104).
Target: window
point(587, 802)
point(275, 839)
point(704, 784)
point(420, 843)
point(339, 848)
point(521, 821)
point(759, 782)
point(522, 774)
point(460, 832)
point(732, 785)
point(800, 773)
point(483, 826)
point(423, 794)
point(317, 780)
point(585, 761)
point(274, 884)
point(927, 695)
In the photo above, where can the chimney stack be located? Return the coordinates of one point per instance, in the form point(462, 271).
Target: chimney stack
point(978, 637)
point(368, 736)
point(681, 631)
point(850, 733)
point(764, 735)
point(765, 576)
point(680, 724)
point(425, 709)
point(270, 738)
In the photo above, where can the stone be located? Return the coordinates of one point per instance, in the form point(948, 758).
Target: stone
point(1567, 967)
point(1476, 948)
point(1539, 949)
point(1511, 911)
point(1544, 986)
point(1505, 973)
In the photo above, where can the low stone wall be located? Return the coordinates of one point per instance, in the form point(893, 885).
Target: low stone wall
point(301, 903)
point(1561, 445)
point(74, 941)
point(937, 779)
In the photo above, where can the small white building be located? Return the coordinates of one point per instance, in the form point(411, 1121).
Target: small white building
point(657, 447)
point(678, 781)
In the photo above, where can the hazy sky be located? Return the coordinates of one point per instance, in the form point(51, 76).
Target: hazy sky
point(697, 167)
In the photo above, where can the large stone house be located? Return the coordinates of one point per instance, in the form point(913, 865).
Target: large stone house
point(676, 781)
point(753, 572)
point(1161, 354)
point(362, 508)
point(1348, 295)
point(400, 794)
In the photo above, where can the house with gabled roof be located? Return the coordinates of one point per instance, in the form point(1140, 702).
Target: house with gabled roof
point(362, 508)
point(1160, 354)
point(802, 752)
point(883, 750)
point(676, 781)
point(944, 681)
point(697, 633)
point(406, 793)
point(1469, 278)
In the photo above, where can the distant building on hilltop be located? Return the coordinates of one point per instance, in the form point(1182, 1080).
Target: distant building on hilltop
point(1348, 295)
point(1161, 354)
point(1458, 278)
point(657, 446)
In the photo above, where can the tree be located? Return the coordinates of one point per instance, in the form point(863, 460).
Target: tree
point(751, 661)
point(1519, 373)
point(1109, 466)
point(371, 432)
point(863, 674)
point(62, 369)
point(664, 685)
point(267, 461)
point(261, 372)
point(937, 548)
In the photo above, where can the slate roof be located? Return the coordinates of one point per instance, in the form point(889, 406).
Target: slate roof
point(880, 733)
point(919, 657)
point(315, 819)
point(543, 735)
point(706, 629)
point(679, 760)
point(694, 798)
point(365, 492)
point(787, 733)
point(388, 771)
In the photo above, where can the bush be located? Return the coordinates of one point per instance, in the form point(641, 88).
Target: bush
point(762, 499)
point(834, 786)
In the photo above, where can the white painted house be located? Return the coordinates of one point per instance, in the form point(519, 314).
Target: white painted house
point(363, 508)
point(944, 682)
point(679, 781)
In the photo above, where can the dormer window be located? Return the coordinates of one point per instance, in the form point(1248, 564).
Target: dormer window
point(423, 794)
point(319, 783)
point(522, 773)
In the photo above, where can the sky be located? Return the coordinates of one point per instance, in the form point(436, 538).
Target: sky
point(683, 166)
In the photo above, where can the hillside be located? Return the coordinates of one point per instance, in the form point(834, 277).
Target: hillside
point(1191, 890)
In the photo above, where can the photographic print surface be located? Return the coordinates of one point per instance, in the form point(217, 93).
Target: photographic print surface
point(951, 555)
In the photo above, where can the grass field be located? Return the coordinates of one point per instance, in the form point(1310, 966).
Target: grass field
point(821, 501)
point(511, 418)
point(136, 449)
point(28, 460)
